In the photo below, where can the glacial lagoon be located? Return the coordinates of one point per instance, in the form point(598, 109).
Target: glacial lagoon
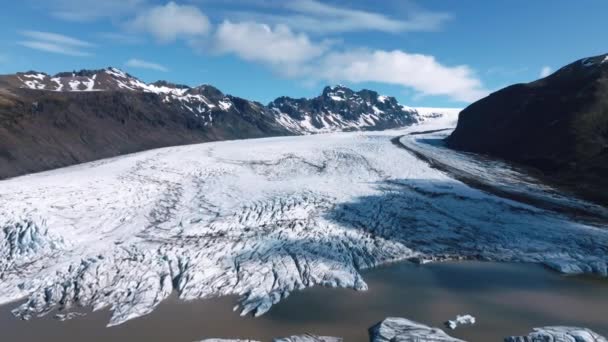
point(506, 299)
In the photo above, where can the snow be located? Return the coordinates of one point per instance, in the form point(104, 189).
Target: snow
point(74, 85)
point(336, 98)
point(460, 320)
point(57, 81)
point(447, 117)
point(90, 83)
point(225, 104)
point(587, 62)
point(605, 60)
point(38, 76)
point(151, 88)
point(34, 84)
point(382, 98)
point(559, 334)
point(116, 72)
point(260, 219)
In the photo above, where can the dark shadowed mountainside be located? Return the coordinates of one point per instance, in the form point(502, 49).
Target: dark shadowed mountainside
point(557, 125)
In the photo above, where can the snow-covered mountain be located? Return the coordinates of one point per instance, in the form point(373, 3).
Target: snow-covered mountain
point(340, 108)
point(201, 101)
point(49, 121)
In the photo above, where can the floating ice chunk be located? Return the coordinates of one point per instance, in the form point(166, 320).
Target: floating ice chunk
point(226, 340)
point(404, 330)
point(460, 320)
point(297, 338)
point(559, 334)
point(308, 338)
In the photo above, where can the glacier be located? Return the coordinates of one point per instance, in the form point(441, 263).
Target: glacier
point(260, 219)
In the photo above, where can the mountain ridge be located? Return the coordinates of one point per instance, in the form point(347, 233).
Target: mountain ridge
point(50, 121)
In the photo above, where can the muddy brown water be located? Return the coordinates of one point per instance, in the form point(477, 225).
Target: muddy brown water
point(507, 299)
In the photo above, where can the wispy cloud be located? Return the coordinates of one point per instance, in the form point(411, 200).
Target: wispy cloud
point(138, 63)
point(55, 43)
point(545, 71)
point(89, 10)
point(316, 17)
point(121, 38)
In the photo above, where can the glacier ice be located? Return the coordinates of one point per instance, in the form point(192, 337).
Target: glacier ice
point(259, 219)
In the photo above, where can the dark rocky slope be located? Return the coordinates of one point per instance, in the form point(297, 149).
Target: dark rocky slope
point(557, 125)
point(42, 129)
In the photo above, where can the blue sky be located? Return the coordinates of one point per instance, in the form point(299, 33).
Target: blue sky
point(425, 52)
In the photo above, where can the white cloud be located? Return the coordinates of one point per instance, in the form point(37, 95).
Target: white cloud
point(261, 43)
point(55, 43)
point(87, 10)
point(297, 56)
point(422, 73)
point(316, 17)
point(545, 71)
point(138, 63)
point(172, 21)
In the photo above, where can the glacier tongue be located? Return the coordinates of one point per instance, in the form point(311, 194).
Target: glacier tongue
point(256, 218)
